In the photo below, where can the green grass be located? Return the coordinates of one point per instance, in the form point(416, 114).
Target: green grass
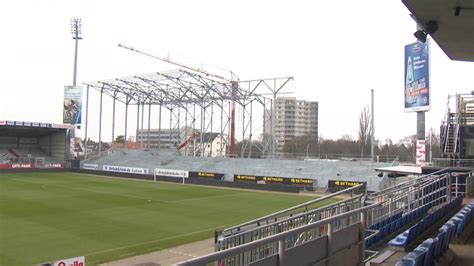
point(48, 216)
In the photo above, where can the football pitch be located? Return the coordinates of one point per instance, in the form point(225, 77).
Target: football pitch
point(50, 216)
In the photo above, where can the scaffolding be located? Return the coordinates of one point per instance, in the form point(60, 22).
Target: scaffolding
point(193, 102)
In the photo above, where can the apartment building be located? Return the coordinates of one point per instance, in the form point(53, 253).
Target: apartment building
point(292, 118)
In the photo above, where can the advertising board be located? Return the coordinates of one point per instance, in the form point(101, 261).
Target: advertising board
point(90, 166)
point(78, 261)
point(337, 185)
point(210, 175)
point(171, 172)
point(274, 180)
point(420, 152)
point(72, 105)
point(125, 169)
point(417, 77)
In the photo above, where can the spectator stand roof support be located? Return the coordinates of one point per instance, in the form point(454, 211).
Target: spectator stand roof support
point(179, 93)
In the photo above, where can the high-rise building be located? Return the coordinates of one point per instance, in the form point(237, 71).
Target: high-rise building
point(292, 118)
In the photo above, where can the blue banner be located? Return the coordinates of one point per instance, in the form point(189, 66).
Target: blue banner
point(417, 77)
point(72, 105)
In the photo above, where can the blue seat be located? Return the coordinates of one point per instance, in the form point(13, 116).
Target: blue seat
point(413, 258)
point(404, 219)
point(442, 241)
point(451, 226)
point(437, 247)
point(421, 252)
point(428, 244)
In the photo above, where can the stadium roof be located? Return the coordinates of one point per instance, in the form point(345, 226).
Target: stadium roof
point(176, 87)
point(30, 129)
point(455, 19)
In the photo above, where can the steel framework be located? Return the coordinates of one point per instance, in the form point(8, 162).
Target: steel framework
point(192, 101)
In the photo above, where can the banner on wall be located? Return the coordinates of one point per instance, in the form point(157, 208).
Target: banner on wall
point(72, 107)
point(420, 152)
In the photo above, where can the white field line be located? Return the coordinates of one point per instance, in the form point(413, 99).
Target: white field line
point(156, 240)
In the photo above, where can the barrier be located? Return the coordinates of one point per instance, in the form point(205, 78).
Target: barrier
point(335, 248)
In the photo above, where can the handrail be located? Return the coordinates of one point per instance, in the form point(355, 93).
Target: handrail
point(299, 215)
point(244, 247)
point(408, 182)
point(292, 208)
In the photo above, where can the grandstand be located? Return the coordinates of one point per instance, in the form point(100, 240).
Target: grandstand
point(320, 170)
point(32, 145)
point(370, 228)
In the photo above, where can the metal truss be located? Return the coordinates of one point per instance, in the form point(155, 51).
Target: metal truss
point(193, 101)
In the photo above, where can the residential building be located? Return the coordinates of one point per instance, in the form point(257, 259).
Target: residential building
point(292, 118)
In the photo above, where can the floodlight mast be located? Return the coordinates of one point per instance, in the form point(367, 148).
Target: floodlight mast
point(76, 35)
point(233, 83)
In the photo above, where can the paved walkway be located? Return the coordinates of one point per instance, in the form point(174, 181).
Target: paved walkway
point(168, 256)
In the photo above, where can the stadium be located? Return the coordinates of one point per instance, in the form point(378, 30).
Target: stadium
point(180, 189)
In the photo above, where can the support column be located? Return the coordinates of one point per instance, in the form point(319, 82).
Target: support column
point(329, 248)
point(138, 122)
point(159, 129)
point(143, 133)
point(281, 252)
point(222, 128)
point(372, 131)
point(126, 121)
point(100, 120)
point(250, 136)
point(113, 120)
point(363, 223)
point(149, 121)
point(87, 119)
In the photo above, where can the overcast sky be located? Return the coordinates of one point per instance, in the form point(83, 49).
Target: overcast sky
point(337, 51)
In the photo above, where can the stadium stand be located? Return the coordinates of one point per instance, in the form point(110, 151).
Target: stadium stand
point(432, 248)
point(347, 170)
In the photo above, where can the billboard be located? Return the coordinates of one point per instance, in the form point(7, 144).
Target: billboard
point(274, 180)
point(338, 185)
point(417, 77)
point(171, 172)
point(210, 175)
point(125, 169)
point(72, 105)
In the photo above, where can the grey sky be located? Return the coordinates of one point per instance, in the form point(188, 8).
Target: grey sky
point(336, 50)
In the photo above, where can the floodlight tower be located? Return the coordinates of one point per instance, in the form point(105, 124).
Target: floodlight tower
point(76, 35)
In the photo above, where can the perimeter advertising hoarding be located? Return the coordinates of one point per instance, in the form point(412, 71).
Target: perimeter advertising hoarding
point(209, 175)
point(72, 105)
point(125, 169)
point(171, 172)
point(274, 180)
point(338, 185)
point(417, 77)
point(78, 261)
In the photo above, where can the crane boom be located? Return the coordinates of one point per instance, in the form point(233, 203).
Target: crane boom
point(175, 63)
point(234, 86)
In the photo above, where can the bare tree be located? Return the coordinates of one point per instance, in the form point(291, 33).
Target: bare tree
point(364, 130)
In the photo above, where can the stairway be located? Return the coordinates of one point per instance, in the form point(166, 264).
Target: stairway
point(451, 136)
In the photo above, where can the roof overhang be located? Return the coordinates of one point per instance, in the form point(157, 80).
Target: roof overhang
point(455, 35)
point(400, 170)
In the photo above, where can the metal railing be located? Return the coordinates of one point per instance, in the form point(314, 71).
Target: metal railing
point(285, 220)
point(278, 243)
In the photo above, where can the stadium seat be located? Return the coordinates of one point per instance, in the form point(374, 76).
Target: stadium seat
point(428, 244)
point(413, 258)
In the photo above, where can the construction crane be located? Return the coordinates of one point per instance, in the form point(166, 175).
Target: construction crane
point(234, 87)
